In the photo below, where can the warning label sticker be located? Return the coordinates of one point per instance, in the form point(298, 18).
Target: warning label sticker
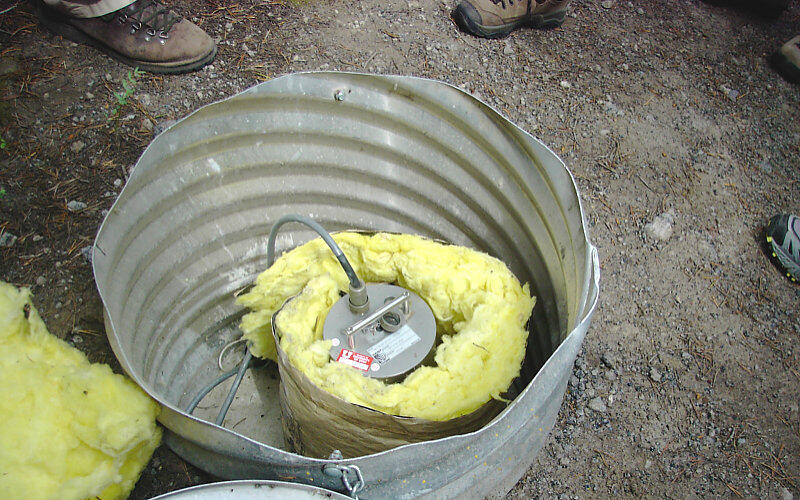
point(394, 344)
point(355, 359)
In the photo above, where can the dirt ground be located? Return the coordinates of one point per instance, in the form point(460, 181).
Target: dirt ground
point(689, 380)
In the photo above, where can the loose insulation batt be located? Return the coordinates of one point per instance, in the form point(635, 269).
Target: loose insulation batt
point(480, 307)
point(70, 429)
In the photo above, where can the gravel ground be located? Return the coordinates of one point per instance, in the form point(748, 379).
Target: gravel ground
point(681, 137)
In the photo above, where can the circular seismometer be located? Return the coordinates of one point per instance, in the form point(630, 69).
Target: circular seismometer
point(392, 338)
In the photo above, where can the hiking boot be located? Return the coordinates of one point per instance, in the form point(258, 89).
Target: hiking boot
point(498, 18)
point(787, 60)
point(144, 34)
point(783, 238)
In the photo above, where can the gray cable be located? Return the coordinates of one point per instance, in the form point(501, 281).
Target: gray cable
point(355, 282)
point(210, 387)
point(356, 286)
point(235, 387)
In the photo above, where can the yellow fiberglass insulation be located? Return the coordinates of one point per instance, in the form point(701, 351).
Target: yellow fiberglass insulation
point(480, 308)
point(71, 429)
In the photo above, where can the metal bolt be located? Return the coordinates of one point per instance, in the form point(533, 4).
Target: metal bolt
point(339, 95)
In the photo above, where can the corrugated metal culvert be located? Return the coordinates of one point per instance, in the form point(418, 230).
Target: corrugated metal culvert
point(353, 151)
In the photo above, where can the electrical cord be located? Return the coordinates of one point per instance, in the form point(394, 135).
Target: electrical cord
point(358, 301)
point(235, 387)
point(210, 387)
point(355, 282)
point(254, 363)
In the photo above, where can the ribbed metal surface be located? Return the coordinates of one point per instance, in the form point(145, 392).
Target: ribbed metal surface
point(398, 154)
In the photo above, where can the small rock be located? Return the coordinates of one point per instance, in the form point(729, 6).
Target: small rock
point(89, 96)
point(607, 4)
point(37, 238)
point(597, 404)
point(640, 11)
point(608, 359)
point(117, 183)
point(228, 26)
point(564, 461)
point(655, 375)
point(648, 464)
point(77, 146)
point(87, 253)
point(508, 49)
point(565, 84)
point(661, 227)
point(729, 92)
point(611, 108)
point(604, 132)
point(147, 125)
point(76, 206)
point(7, 239)
point(610, 375)
point(41, 281)
point(685, 355)
point(786, 494)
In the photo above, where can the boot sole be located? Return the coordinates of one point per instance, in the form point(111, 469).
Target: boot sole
point(783, 66)
point(49, 20)
point(540, 21)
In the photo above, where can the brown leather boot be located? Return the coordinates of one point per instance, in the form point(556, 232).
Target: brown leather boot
point(498, 18)
point(144, 34)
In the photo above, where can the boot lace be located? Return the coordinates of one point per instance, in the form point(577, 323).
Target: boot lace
point(146, 13)
point(502, 3)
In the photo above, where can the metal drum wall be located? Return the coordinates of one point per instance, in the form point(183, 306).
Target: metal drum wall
point(353, 151)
